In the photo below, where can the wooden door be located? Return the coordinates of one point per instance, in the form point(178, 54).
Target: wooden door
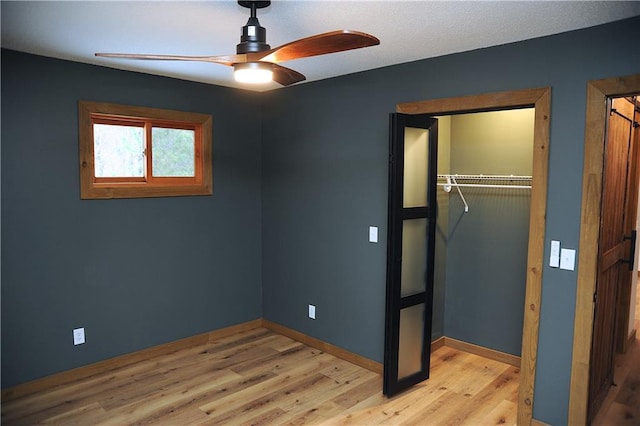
point(614, 248)
point(631, 111)
point(410, 250)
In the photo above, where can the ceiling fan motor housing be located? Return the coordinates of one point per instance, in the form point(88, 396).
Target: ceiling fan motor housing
point(254, 36)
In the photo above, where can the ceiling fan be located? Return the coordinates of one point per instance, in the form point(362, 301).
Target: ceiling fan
point(256, 62)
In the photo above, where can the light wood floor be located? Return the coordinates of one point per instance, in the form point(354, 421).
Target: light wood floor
point(260, 377)
point(622, 405)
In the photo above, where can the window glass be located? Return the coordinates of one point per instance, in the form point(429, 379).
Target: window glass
point(118, 151)
point(173, 152)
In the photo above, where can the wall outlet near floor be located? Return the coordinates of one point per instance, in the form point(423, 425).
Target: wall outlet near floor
point(312, 311)
point(78, 336)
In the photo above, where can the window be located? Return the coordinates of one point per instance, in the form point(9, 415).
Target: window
point(128, 152)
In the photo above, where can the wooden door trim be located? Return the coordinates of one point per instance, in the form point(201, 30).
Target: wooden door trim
point(597, 93)
point(540, 99)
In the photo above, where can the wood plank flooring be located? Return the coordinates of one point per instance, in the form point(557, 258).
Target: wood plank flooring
point(258, 377)
point(622, 405)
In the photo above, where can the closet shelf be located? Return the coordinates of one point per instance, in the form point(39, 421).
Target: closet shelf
point(474, 181)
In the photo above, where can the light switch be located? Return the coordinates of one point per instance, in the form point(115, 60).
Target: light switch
point(554, 257)
point(312, 311)
point(373, 234)
point(567, 259)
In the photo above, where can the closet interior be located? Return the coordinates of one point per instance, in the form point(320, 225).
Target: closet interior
point(485, 164)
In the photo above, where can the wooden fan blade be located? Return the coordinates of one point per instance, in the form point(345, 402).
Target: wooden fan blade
point(286, 76)
point(224, 59)
point(321, 44)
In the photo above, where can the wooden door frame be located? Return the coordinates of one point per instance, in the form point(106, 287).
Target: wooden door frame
point(597, 93)
point(540, 99)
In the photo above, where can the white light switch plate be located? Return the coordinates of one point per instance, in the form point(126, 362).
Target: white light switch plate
point(554, 256)
point(312, 311)
point(373, 234)
point(78, 336)
point(567, 259)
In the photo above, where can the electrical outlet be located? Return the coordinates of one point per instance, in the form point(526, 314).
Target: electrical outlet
point(312, 311)
point(78, 336)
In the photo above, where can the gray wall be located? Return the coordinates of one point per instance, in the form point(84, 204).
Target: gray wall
point(134, 272)
point(486, 268)
point(323, 151)
point(325, 181)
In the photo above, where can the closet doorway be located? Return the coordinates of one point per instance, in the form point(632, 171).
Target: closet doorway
point(468, 177)
point(539, 100)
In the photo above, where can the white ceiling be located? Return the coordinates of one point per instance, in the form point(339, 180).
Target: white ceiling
point(408, 30)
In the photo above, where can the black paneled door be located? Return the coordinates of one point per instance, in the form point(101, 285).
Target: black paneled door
point(410, 251)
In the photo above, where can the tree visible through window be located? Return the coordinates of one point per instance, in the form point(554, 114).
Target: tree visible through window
point(143, 152)
point(173, 152)
point(118, 151)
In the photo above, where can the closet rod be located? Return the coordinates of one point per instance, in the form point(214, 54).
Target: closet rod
point(452, 181)
point(482, 185)
point(485, 177)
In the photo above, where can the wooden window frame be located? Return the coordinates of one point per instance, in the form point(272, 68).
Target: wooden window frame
point(150, 186)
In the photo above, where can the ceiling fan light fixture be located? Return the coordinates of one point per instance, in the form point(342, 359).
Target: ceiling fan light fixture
point(255, 62)
point(253, 72)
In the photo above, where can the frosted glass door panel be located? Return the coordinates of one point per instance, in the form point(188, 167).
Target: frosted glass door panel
point(410, 251)
point(416, 156)
point(414, 256)
point(410, 348)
